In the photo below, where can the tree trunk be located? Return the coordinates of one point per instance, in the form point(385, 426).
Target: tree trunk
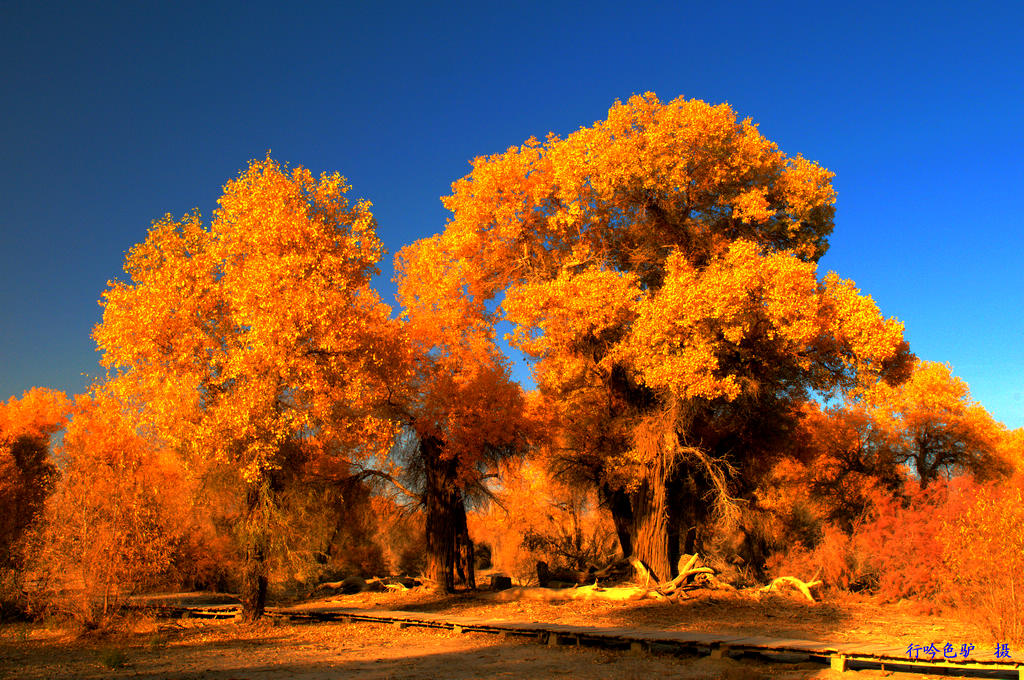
point(464, 558)
point(618, 503)
point(254, 576)
point(651, 539)
point(439, 499)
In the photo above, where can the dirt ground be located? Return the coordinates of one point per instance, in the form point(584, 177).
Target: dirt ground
point(225, 650)
point(836, 619)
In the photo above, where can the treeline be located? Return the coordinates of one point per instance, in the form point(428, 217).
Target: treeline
point(265, 416)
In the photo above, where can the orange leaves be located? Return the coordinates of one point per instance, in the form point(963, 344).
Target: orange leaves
point(457, 390)
point(660, 256)
point(26, 470)
point(759, 306)
point(290, 250)
point(695, 334)
point(983, 549)
point(629, 228)
point(116, 517)
point(937, 427)
point(574, 314)
point(650, 178)
point(260, 327)
point(38, 413)
point(752, 206)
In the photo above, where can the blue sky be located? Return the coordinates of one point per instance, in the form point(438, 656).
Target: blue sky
point(116, 113)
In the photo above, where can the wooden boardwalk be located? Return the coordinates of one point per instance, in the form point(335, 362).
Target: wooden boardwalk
point(839, 656)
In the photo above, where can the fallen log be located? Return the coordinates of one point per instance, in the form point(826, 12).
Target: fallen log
point(804, 588)
point(687, 570)
point(592, 592)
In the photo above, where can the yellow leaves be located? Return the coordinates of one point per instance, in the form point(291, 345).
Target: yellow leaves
point(457, 391)
point(119, 510)
point(866, 342)
point(649, 180)
point(572, 308)
point(741, 305)
point(931, 393)
point(934, 423)
point(752, 206)
point(706, 328)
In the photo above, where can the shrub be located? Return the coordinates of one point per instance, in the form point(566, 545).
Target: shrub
point(903, 541)
point(113, 523)
point(839, 560)
point(983, 549)
point(539, 519)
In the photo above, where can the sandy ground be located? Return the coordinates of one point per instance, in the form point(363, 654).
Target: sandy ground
point(845, 619)
point(225, 650)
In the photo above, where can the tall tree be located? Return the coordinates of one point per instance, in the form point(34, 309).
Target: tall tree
point(248, 338)
point(659, 266)
point(459, 402)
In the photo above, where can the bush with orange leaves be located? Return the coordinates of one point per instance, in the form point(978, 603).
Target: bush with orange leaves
point(838, 559)
point(534, 517)
point(905, 539)
point(895, 550)
point(983, 552)
point(956, 543)
point(27, 475)
point(114, 521)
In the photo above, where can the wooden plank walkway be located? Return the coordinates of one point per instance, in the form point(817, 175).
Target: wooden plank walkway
point(839, 656)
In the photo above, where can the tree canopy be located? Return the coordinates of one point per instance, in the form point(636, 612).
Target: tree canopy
point(659, 267)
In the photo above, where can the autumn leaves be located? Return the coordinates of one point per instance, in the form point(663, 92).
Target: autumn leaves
point(658, 267)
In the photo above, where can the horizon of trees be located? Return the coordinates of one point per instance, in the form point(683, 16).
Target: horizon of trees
point(700, 387)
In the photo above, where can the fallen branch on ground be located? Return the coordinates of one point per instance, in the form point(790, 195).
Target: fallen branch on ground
point(592, 592)
point(793, 581)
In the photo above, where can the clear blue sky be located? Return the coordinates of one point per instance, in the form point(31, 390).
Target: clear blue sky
point(116, 113)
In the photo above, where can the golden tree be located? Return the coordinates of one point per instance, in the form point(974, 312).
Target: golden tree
point(458, 402)
point(936, 428)
point(27, 472)
point(116, 517)
point(659, 266)
point(257, 337)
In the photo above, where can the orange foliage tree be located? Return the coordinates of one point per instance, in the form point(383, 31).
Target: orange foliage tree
point(27, 475)
point(458, 401)
point(659, 266)
point(849, 460)
point(116, 518)
point(1011, 449)
point(26, 470)
point(257, 338)
point(802, 514)
point(936, 428)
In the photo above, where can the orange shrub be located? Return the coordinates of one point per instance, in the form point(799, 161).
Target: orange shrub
point(114, 521)
point(903, 541)
point(983, 549)
point(539, 518)
point(838, 559)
